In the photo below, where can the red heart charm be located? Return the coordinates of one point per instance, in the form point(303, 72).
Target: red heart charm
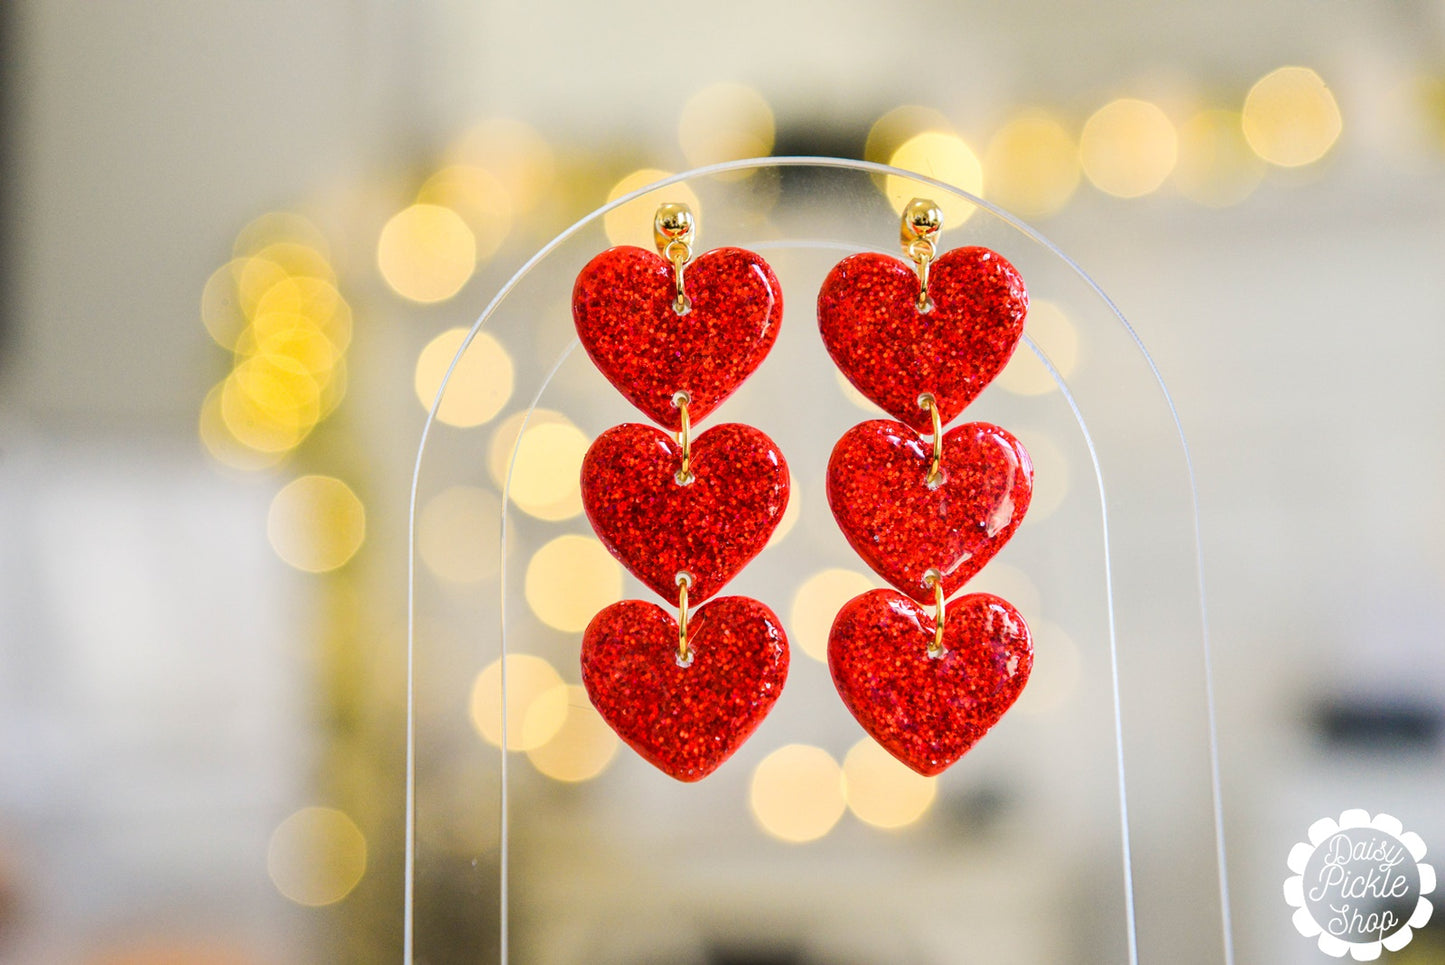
point(622, 304)
point(710, 527)
point(868, 315)
point(878, 489)
point(686, 720)
point(928, 711)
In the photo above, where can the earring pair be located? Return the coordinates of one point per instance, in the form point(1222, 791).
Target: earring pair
point(676, 333)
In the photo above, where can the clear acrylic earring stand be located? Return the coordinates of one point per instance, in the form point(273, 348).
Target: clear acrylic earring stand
point(1084, 828)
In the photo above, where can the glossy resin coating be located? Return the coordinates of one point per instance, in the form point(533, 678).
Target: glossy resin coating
point(686, 720)
point(869, 319)
point(879, 492)
point(709, 528)
point(622, 304)
point(928, 711)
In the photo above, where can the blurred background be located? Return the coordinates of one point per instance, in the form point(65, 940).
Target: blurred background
point(243, 241)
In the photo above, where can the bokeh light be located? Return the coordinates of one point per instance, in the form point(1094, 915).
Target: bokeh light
point(458, 534)
point(504, 439)
point(945, 157)
point(582, 747)
point(476, 196)
point(1216, 165)
point(515, 154)
point(276, 307)
point(480, 385)
point(316, 856)
point(817, 602)
point(569, 579)
point(1291, 118)
point(536, 702)
point(1128, 147)
point(546, 476)
point(797, 793)
point(1051, 330)
point(1032, 165)
point(725, 122)
point(883, 791)
point(316, 523)
point(224, 447)
point(222, 311)
point(631, 223)
point(898, 125)
point(280, 227)
point(1055, 674)
point(426, 253)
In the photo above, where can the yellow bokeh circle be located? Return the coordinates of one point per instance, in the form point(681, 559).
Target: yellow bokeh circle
point(1032, 165)
point(459, 534)
point(817, 602)
point(883, 791)
point(480, 384)
point(945, 157)
point(1128, 147)
point(582, 747)
point(1291, 118)
point(316, 523)
point(725, 122)
point(536, 702)
point(426, 253)
point(316, 856)
point(797, 793)
point(569, 579)
point(546, 475)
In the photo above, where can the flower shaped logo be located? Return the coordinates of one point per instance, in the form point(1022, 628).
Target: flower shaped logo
point(1359, 885)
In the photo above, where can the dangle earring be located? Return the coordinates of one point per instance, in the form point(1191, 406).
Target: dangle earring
point(676, 334)
point(925, 508)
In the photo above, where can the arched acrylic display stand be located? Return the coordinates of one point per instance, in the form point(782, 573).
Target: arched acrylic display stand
point(1084, 828)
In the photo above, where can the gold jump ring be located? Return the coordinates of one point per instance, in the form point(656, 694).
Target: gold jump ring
point(934, 579)
point(934, 479)
point(684, 653)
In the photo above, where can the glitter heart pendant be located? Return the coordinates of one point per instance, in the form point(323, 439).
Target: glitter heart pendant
point(970, 322)
point(928, 707)
point(686, 714)
point(906, 522)
point(661, 518)
point(626, 305)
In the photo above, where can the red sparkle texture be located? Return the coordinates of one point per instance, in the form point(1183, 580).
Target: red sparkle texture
point(902, 527)
point(910, 525)
point(685, 720)
point(928, 711)
point(709, 528)
point(869, 318)
point(622, 305)
point(685, 717)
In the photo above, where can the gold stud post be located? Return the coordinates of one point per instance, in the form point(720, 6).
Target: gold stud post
point(684, 475)
point(922, 221)
point(684, 652)
point(673, 231)
point(934, 579)
point(935, 477)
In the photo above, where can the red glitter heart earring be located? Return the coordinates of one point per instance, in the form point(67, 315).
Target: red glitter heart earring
point(926, 512)
point(676, 335)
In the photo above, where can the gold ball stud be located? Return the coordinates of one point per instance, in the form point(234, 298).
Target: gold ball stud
point(922, 220)
point(674, 223)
